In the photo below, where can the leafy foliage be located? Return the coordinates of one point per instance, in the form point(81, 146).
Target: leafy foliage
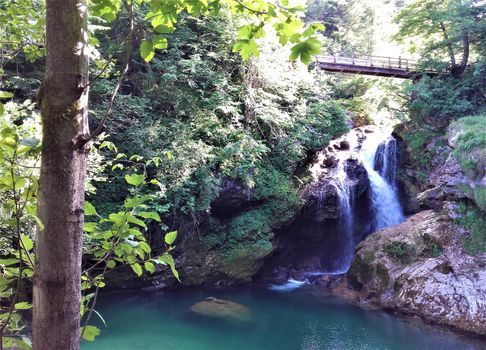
point(19, 155)
point(110, 241)
point(447, 28)
point(193, 109)
point(164, 16)
point(348, 24)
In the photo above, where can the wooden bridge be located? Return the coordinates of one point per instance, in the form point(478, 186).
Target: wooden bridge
point(372, 65)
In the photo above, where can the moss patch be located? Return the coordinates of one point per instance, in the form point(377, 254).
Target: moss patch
point(470, 150)
point(401, 252)
point(474, 221)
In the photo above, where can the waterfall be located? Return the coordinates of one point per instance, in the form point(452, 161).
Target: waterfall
point(378, 155)
point(363, 161)
point(346, 220)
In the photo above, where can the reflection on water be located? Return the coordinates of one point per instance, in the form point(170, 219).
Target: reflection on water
point(294, 320)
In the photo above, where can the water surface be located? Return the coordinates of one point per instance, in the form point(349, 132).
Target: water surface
point(296, 319)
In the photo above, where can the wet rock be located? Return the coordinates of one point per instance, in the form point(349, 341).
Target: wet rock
point(331, 161)
point(233, 198)
point(342, 145)
point(357, 176)
point(321, 197)
point(419, 268)
point(223, 309)
point(321, 200)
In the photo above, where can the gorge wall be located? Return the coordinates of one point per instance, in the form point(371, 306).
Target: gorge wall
point(433, 264)
point(348, 185)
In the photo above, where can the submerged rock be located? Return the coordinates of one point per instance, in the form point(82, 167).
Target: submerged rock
point(419, 268)
point(222, 309)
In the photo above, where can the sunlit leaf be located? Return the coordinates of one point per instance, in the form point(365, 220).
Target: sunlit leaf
point(134, 179)
point(23, 306)
point(147, 50)
point(170, 237)
point(137, 269)
point(90, 332)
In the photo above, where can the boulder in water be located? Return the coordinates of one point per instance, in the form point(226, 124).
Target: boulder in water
point(222, 309)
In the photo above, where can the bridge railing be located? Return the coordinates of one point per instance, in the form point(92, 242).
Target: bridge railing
point(371, 61)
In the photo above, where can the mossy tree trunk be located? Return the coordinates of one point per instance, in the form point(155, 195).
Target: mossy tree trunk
point(57, 294)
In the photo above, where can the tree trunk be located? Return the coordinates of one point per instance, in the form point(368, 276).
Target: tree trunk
point(465, 52)
point(63, 100)
point(450, 50)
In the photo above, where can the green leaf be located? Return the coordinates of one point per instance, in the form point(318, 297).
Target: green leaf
point(305, 50)
point(137, 269)
point(169, 155)
point(89, 226)
point(90, 332)
point(136, 221)
point(160, 42)
point(144, 246)
point(23, 306)
point(147, 51)
point(27, 242)
point(150, 267)
point(134, 179)
point(246, 48)
point(170, 237)
point(136, 201)
point(117, 166)
point(149, 215)
point(8, 262)
point(89, 209)
point(110, 264)
point(167, 259)
point(6, 94)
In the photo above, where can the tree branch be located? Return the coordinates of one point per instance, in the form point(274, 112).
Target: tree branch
point(126, 62)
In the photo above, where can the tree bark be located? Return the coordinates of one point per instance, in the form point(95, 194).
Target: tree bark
point(465, 52)
point(63, 100)
point(450, 50)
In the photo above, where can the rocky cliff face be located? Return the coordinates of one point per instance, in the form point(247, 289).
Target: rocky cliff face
point(323, 235)
point(243, 229)
point(224, 247)
point(443, 166)
point(419, 268)
point(424, 266)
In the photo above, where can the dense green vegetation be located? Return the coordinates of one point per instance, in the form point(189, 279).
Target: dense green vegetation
point(196, 115)
point(197, 100)
point(215, 120)
point(453, 38)
point(216, 116)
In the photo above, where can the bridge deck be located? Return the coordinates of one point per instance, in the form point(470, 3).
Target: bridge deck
point(371, 65)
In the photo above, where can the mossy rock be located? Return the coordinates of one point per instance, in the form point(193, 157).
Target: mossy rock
point(468, 138)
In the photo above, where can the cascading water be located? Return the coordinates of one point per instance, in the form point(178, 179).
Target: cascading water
point(363, 161)
point(346, 221)
point(378, 155)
